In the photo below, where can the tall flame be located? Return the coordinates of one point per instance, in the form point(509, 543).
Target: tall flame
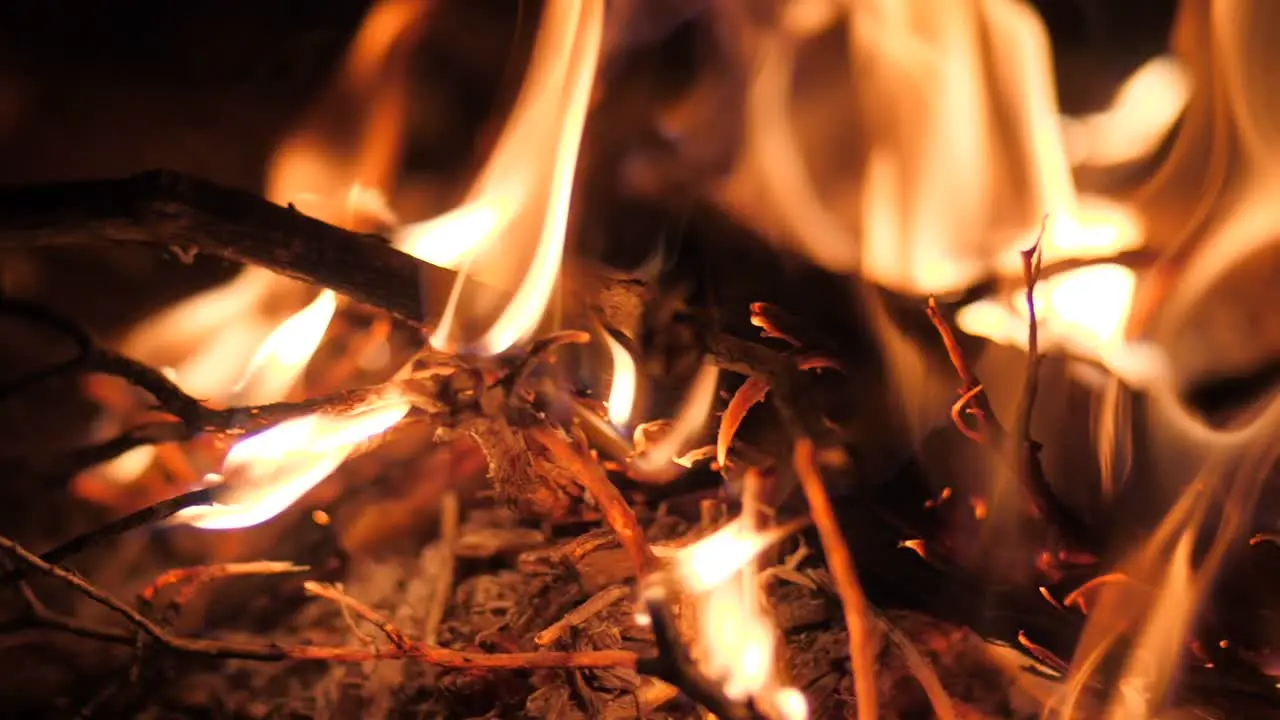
point(523, 194)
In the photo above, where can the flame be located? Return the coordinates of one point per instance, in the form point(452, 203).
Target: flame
point(339, 165)
point(282, 357)
point(690, 418)
point(622, 390)
point(266, 473)
point(1139, 118)
point(228, 344)
point(523, 194)
point(736, 640)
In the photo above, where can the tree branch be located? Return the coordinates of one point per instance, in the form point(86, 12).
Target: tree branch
point(192, 215)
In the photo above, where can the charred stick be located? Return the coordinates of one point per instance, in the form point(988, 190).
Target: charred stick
point(190, 215)
point(442, 657)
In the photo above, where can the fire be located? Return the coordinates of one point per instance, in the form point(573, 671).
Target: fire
point(689, 420)
point(341, 163)
point(1139, 118)
point(736, 640)
point(266, 473)
point(282, 357)
point(344, 177)
point(622, 389)
point(522, 196)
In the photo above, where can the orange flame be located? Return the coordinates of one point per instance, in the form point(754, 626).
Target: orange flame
point(266, 473)
point(736, 639)
point(689, 420)
point(228, 344)
point(282, 357)
point(622, 389)
point(340, 164)
point(523, 194)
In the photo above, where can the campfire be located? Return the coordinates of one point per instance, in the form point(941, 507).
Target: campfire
point(657, 358)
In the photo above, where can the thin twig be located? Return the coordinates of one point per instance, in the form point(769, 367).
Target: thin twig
point(443, 657)
point(1028, 450)
point(191, 579)
point(751, 391)
point(988, 430)
point(617, 512)
point(840, 561)
point(450, 516)
point(923, 671)
point(148, 515)
point(593, 606)
point(988, 427)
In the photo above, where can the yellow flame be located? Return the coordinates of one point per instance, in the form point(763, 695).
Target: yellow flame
point(690, 418)
point(622, 389)
point(524, 192)
point(266, 473)
point(1138, 119)
point(282, 357)
point(736, 639)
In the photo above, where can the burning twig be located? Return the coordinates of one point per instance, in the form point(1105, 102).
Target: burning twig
point(750, 392)
point(192, 415)
point(405, 649)
point(616, 511)
point(989, 431)
point(840, 561)
point(970, 387)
